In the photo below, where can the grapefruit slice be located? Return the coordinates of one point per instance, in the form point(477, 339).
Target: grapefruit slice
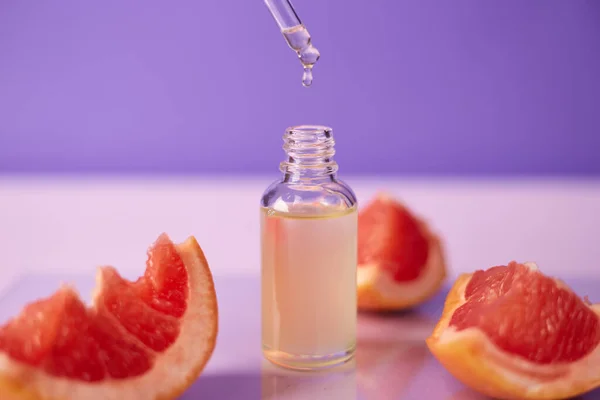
point(511, 332)
point(148, 339)
point(400, 260)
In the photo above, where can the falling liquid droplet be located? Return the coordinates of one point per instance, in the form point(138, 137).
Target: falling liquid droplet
point(307, 77)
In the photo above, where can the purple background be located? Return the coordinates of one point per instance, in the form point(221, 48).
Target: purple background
point(410, 87)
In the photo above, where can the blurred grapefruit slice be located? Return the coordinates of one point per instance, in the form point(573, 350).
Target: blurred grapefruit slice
point(400, 261)
point(147, 339)
point(511, 332)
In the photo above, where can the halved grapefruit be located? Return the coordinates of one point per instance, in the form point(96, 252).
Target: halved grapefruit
point(511, 332)
point(147, 339)
point(400, 260)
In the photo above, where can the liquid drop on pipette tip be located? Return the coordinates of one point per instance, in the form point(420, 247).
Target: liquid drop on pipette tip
point(309, 55)
point(300, 41)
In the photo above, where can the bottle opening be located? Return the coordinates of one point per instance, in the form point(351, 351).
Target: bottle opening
point(310, 150)
point(304, 137)
point(310, 129)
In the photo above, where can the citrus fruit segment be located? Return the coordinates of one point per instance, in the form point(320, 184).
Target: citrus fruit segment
point(147, 339)
point(511, 332)
point(400, 260)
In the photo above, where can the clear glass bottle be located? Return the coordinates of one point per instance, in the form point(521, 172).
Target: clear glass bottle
point(309, 257)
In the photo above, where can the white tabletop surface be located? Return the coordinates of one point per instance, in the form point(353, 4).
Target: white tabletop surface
point(51, 224)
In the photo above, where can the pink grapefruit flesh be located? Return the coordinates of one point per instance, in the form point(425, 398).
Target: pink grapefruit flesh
point(511, 332)
point(125, 344)
point(401, 262)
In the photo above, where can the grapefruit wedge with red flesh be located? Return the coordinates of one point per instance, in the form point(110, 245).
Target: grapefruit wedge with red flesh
point(400, 260)
point(511, 332)
point(148, 339)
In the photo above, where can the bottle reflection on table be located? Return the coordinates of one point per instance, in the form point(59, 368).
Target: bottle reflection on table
point(282, 384)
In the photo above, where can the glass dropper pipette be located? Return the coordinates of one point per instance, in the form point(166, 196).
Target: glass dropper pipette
point(296, 35)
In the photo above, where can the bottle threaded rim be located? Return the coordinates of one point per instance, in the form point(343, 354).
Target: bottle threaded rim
point(309, 147)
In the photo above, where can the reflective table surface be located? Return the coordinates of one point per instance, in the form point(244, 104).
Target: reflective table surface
point(392, 360)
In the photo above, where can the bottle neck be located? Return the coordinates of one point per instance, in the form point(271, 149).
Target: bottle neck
point(310, 150)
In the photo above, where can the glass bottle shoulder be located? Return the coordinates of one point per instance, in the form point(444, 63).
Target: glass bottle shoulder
point(309, 199)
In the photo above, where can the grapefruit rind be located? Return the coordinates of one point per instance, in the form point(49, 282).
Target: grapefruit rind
point(174, 370)
point(378, 291)
point(476, 361)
